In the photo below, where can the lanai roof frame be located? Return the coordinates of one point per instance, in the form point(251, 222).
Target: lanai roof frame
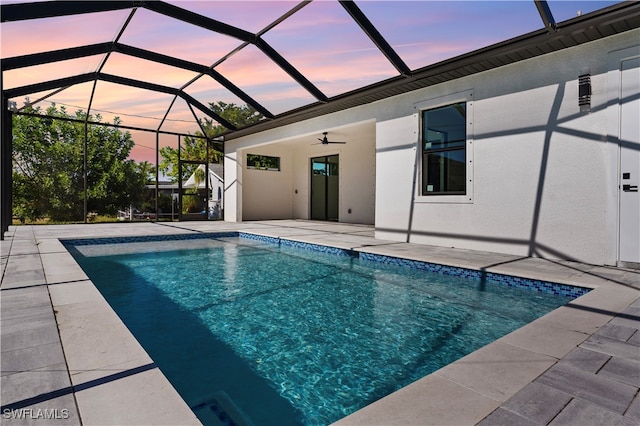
point(553, 36)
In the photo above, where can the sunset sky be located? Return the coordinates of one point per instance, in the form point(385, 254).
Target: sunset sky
point(320, 40)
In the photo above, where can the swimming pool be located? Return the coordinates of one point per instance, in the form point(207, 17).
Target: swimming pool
point(260, 330)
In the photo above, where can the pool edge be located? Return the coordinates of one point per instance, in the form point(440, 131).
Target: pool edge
point(482, 400)
point(608, 296)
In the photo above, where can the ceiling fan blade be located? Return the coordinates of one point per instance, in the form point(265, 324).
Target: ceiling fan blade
point(325, 141)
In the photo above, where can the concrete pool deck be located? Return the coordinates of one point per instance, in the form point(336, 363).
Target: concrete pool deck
point(68, 359)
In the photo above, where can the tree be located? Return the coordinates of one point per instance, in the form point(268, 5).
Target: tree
point(48, 166)
point(147, 170)
point(195, 148)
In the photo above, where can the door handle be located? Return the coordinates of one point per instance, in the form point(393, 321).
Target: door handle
point(630, 188)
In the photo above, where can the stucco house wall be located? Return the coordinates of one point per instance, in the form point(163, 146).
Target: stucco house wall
point(356, 171)
point(544, 175)
point(268, 194)
point(285, 194)
point(543, 178)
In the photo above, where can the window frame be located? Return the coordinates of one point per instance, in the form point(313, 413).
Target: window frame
point(272, 169)
point(435, 103)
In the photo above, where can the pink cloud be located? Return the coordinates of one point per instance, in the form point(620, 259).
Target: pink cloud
point(251, 16)
point(37, 74)
point(168, 36)
point(153, 72)
point(41, 35)
point(320, 40)
point(251, 67)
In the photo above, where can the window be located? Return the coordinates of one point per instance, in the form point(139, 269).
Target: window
point(444, 153)
point(263, 162)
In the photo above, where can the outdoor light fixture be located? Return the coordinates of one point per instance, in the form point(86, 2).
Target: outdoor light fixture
point(584, 92)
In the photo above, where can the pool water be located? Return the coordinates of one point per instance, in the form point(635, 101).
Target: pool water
point(251, 332)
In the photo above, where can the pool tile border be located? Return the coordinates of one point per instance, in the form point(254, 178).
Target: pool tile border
point(564, 290)
point(547, 287)
point(146, 238)
point(299, 244)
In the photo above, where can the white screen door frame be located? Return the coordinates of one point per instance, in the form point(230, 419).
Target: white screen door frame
point(625, 80)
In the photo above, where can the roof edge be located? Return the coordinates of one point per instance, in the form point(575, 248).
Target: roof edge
point(615, 19)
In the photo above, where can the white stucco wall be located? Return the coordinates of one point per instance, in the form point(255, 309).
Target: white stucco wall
point(268, 194)
point(543, 172)
point(232, 186)
point(356, 175)
point(263, 195)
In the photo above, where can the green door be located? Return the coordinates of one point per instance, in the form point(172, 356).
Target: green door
point(324, 188)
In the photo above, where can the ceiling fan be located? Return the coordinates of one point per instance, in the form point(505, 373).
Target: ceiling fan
point(325, 140)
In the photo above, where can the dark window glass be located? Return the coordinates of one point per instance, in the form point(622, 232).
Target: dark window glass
point(444, 135)
point(263, 162)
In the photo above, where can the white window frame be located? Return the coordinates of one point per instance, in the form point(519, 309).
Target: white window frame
point(441, 101)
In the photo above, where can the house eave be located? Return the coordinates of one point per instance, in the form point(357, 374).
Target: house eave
point(603, 23)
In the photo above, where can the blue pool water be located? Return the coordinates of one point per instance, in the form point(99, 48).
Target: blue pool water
point(247, 330)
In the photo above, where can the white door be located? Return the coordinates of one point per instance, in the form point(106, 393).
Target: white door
point(629, 161)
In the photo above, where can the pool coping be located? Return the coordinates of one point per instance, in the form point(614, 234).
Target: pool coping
point(103, 386)
point(510, 281)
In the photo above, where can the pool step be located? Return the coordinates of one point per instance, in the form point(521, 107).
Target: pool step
point(220, 410)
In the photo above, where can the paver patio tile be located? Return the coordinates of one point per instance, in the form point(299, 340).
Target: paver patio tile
point(74, 292)
point(498, 370)
point(24, 302)
point(96, 342)
point(50, 245)
point(607, 299)
point(635, 339)
point(431, 400)
point(119, 402)
point(22, 247)
point(577, 319)
point(585, 360)
point(580, 412)
point(604, 392)
point(634, 409)
point(32, 358)
point(43, 383)
point(503, 417)
point(544, 338)
point(537, 403)
point(630, 317)
point(612, 347)
point(617, 332)
point(61, 267)
point(622, 370)
point(60, 411)
point(18, 324)
point(21, 271)
point(23, 333)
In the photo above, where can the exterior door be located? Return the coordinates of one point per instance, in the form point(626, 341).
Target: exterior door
point(629, 253)
point(324, 187)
